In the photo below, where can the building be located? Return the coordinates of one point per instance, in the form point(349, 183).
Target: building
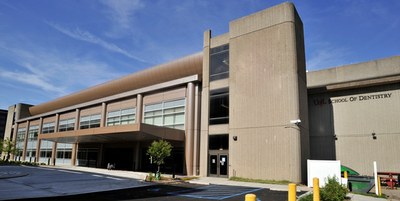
point(239, 108)
point(3, 119)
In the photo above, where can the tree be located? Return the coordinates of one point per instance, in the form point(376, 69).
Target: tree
point(158, 151)
point(8, 147)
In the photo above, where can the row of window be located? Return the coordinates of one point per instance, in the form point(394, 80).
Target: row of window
point(170, 114)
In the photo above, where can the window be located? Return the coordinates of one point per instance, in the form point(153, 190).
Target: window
point(219, 62)
point(219, 106)
point(90, 121)
point(48, 128)
point(121, 117)
point(218, 142)
point(169, 114)
point(66, 125)
point(21, 134)
point(33, 133)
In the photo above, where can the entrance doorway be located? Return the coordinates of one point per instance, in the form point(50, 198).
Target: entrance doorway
point(218, 164)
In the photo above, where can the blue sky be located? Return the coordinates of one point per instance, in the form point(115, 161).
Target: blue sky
point(53, 48)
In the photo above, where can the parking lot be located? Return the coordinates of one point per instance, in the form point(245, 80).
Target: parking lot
point(45, 183)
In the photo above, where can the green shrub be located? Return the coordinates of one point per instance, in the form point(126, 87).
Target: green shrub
point(332, 191)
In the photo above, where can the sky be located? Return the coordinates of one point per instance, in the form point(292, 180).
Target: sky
point(50, 49)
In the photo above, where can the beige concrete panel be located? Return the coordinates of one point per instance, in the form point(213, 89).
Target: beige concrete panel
point(10, 122)
point(355, 72)
point(22, 125)
point(190, 65)
point(219, 40)
point(205, 96)
point(206, 59)
point(121, 104)
point(266, 18)
point(263, 78)
point(165, 96)
point(262, 153)
point(91, 110)
point(68, 115)
point(218, 84)
point(175, 94)
point(49, 119)
point(218, 129)
point(359, 152)
point(35, 122)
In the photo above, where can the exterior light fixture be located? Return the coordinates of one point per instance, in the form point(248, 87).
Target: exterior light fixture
point(335, 137)
point(235, 138)
point(374, 136)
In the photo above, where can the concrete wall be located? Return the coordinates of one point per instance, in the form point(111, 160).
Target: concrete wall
point(267, 79)
point(347, 105)
point(352, 116)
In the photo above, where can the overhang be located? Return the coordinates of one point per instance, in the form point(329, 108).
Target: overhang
point(122, 133)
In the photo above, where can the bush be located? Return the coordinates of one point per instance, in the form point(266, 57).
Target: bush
point(333, 191)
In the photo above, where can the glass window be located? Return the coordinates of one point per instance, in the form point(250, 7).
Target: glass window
point(169, 114)
point(33, 133)
point(218, 142)
point(48, 127)
point(219, 106)
point(21, 134)
point(66, 125)
point(219, 62)
point(121, 117)
point(90, 121)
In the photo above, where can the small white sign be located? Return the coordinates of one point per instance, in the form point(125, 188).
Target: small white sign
point(213, 160)
point(223, 159)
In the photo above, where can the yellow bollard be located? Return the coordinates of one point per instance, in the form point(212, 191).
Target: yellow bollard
point(316, 189)
point(379, 187)
point(292, 192)
point(250, 197)
point(345, 175)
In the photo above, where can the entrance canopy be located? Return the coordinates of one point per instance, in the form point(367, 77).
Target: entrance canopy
point(122, 133)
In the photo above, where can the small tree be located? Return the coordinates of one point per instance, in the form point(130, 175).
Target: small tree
point(158, 151)
point(8, 147)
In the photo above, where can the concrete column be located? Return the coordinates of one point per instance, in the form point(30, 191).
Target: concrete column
point(25, 141)
point(14, 138)
point(57, 123)
point(139, 108)
point(103, 115)
point(54, 154)
point(137, 156)
point(77, 116)
point(38, 143)
point(196, 134)
point(74, 153)
point(189, 128)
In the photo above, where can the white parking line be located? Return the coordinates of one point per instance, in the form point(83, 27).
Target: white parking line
point(119, 179)
point(96, 175)
point(70, 171)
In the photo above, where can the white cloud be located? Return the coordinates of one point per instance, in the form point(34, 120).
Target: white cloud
point(121, 11)
point(323, 55)
point(54, 72)
point(88, 37)
point(32, 79)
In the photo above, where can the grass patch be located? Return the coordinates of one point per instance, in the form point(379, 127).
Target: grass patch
point(188, 178)
point(262, 181)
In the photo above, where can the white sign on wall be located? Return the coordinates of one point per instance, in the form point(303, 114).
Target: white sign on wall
point(322, 169)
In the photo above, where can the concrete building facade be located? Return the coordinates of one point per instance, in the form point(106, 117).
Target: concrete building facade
point(242, 107)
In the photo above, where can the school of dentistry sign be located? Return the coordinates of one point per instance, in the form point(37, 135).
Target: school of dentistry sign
point(322, 101)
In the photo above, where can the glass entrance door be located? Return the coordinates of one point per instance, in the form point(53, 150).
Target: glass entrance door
point(218, 164)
